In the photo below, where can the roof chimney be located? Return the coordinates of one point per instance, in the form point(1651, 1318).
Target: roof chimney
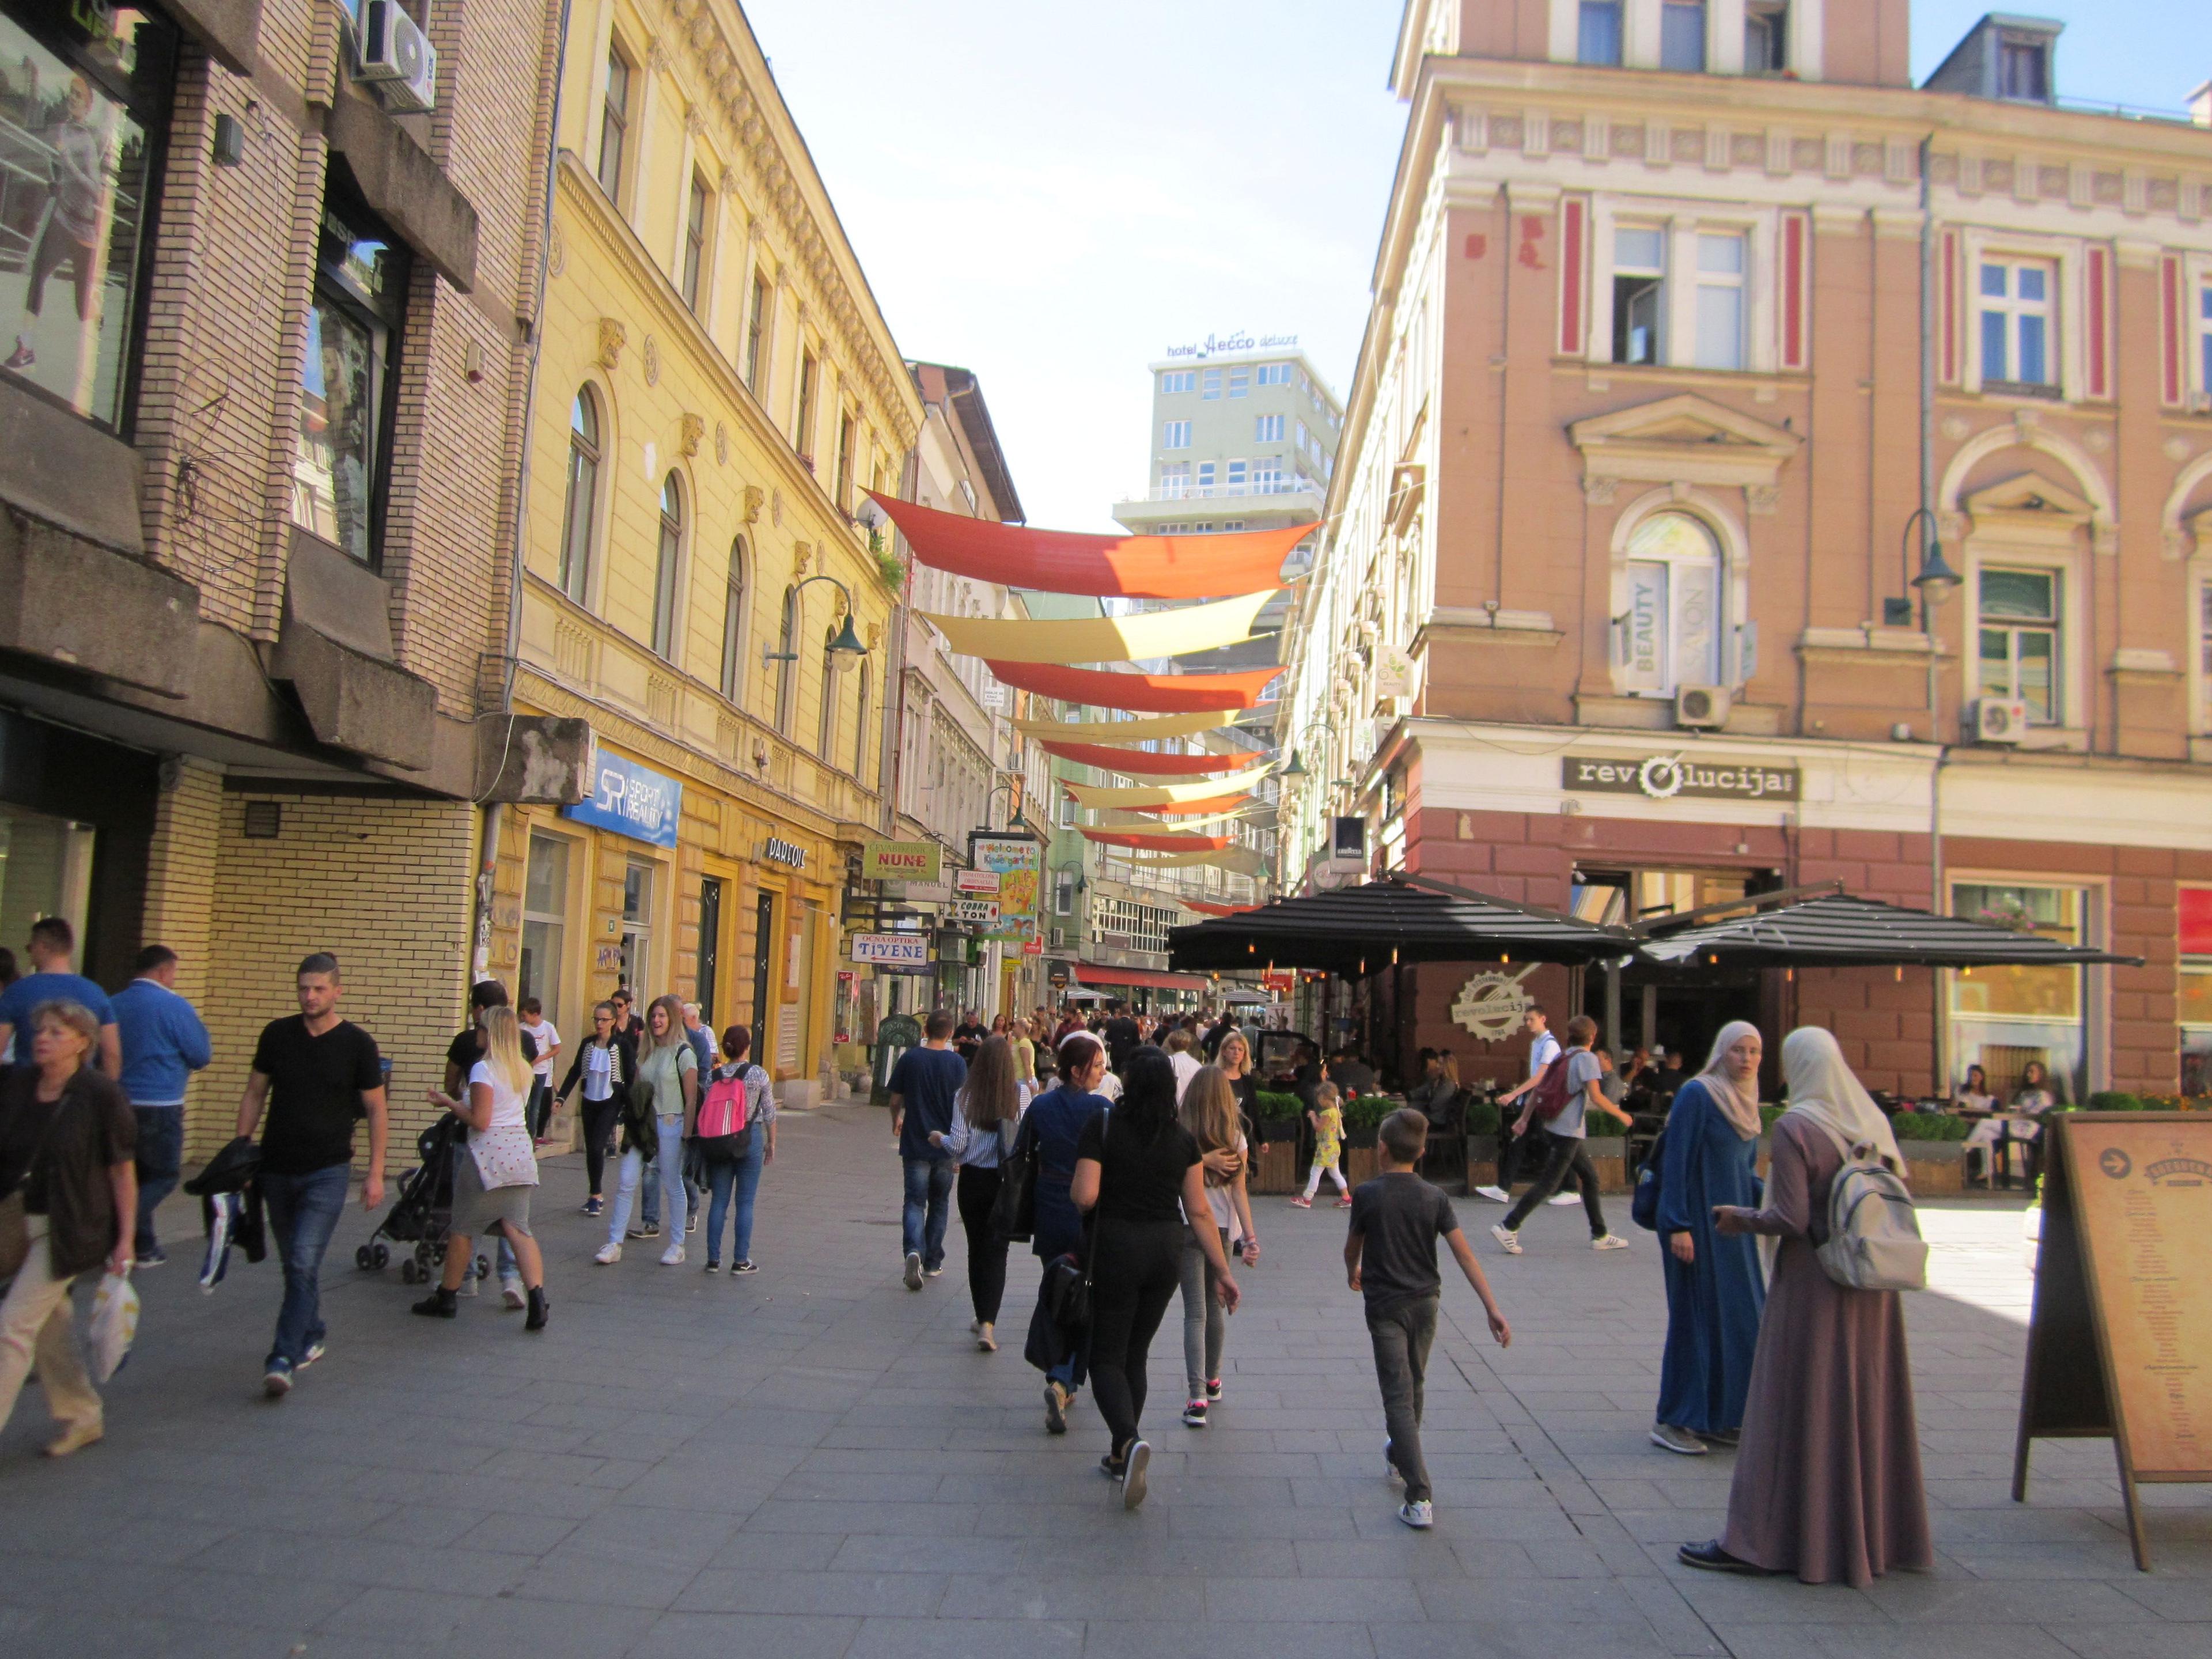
point(2200, 104)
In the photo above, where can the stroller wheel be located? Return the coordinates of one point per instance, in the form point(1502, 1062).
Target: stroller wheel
point(483, 1267)
point(380, 1256)
point(362, 1259)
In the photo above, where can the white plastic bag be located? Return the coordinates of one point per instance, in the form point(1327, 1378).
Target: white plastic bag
point(114, 1323)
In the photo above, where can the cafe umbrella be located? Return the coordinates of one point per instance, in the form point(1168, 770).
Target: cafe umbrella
point(1838, 930)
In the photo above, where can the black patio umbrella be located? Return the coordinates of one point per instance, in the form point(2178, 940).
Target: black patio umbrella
point(1839, 931)
point(1352, 931)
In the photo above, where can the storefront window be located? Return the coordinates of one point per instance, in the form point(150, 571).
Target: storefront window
point(2195, 1012)
point(544, 915)
point(353, 327)
point(84, 95)
point(45, 870)
point(637, 930)
point(2003, 1017)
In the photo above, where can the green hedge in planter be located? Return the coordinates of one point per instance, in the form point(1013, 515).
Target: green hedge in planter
point(1269, 1105)
point(1767, 1114)
point(1367, 1111)
point(1929, 1126)
point(1481, 1118)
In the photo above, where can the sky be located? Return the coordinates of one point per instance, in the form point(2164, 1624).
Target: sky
point(1052, 195)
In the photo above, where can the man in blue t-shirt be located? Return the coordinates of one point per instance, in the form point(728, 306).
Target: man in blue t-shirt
point(925, 1092)
point(53, 978)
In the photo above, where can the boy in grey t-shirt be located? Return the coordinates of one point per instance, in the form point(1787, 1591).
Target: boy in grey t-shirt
point(1390, 1257)
point(1563, 1137)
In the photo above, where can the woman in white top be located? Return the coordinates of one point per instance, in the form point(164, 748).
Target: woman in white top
point(495, 1172)
point(991, 1103)
point(602, 1066)
point(1185, 1064)
point(1209, 1111)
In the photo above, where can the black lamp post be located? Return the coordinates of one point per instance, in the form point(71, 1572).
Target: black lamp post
point(1935, 578)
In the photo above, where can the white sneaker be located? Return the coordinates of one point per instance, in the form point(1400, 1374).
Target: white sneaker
point(913, 1270)
point(1609, 1242)
point(510, 1291)
point(673, 1256)
point(608, 1254)
point(1390, 1469)
point(1133, 1476)
point(1420, 1515)
point(1510, 1243)
point(1495, 1195)
point(1564, 1199)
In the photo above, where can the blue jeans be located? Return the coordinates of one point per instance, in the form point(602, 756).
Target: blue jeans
point(161, 1160)
point(653, 1200)
point(738, 1179)
point(303, 1213)
point(928, 1208)
point(669, 1162)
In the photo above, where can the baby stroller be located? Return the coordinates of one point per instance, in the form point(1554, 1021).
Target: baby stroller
point(423, 1214)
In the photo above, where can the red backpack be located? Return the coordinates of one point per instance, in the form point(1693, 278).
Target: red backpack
point(1549, 1097)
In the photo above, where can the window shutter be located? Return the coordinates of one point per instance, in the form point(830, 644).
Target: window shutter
point(1574, 264)
point(2172, 331)
point(2096, 323)
point(1797, 291)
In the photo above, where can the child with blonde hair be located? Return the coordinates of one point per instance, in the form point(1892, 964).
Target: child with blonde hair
point(1327, 1117)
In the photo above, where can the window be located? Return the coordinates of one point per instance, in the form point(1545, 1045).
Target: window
point(1175, 480)
point(843, 494)
point(1765, 37)
point(1236, 472)
point(2019, 623)
point(694, 240)
point(2023, 70)
point(756, 331)
point(1597, 39)
point(544, 917)
point(1272, 374)
point(1067, 811)
point(1720, 301)
point(1175, 435)
point(2016, 322)
point(636, 947)
point(786, 661)
point(861, 729)
point(1267, 430)
point(1205, 477)
point(2204, 338)
point(1211, 385)
point(579, 506)
point(665, 607)
point(84, 102)
point(1682, 36)
point(2195, 905)
point(1178, 381)
point(1669, 633)
point(347, 376)
point(1639, 293)
point(1268, 475)
point(733, 624)
point(614, 124)
point(810, 370)
point(1240, 382)
point(1063, 892)
point(2005, 1019)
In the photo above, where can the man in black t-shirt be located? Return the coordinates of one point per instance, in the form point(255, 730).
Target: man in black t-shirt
point(316, 1075)
point(968, 1037)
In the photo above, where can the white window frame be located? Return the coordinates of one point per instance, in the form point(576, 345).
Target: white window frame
point(1737, 282)
point(1240, 382)
point(1267, 428)
point(2068, 304)
point(1175, 480)
point(1174, 435)
point(1732, 585)
point(1613, 272)
point(2015, 309)
point(1209, 386)
point(2013, 550)
point(2094, 930)
point(2196, 283)
point(1639, 35)
point(1682, 219)
point(1175, 382)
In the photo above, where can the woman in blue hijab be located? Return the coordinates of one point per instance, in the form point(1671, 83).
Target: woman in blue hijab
point(1716, 1293)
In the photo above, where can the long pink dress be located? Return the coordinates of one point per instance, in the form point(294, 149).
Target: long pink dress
point(1828, 1479)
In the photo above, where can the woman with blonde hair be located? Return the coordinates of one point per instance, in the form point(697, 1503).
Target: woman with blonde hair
point(495, 1170)
point(1233, 1057)
point(1827, 1481)
point(666, 1093)
point(1209, 1112)
point(1025, 1055)
point(991, 1103)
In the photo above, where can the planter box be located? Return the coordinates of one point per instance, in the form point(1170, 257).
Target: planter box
point(1935, 1169)
point(1275, 1168)
point(1358, 1165)
point(1610, 1155)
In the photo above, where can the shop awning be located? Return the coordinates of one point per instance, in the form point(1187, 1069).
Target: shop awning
point(1153, 694)
point(1140, 636)
point(1064, 561)
point(1142, 763)
point(1147, 979)
point(1358, 930)
point(1838, 930)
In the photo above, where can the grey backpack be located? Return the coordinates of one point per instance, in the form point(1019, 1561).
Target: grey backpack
point(1873, 1232)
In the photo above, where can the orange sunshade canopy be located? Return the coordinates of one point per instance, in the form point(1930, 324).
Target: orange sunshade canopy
point(1064, 561)
point(1139, 761)
point(1207, 907)
point(1155, 694)
point(1171, 843)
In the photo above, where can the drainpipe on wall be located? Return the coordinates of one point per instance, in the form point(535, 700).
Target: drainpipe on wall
point(1938, 900)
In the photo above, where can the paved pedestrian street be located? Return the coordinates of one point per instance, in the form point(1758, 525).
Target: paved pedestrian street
point(814, 1462)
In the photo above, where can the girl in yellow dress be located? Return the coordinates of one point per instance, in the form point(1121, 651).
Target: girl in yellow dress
point(1328, 1119)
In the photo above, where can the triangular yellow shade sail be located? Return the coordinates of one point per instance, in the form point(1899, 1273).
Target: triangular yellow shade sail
point(1166, 794)
point(1149, 821)
point(1136, 731)
point(1103, 639)
point(1237, 860)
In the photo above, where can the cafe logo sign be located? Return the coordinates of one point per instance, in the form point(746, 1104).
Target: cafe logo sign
point(1665, 777)
point(1492, 1006)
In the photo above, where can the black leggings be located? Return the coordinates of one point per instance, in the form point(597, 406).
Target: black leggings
point(976, 1192)
point(599, 1127)
point(1137, 1271)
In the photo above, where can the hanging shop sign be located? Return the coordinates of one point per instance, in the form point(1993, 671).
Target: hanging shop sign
point(891, 949)
point(902, 860)
point(776, 850)
point(975, 881)
point(1666, 777)
point(976, 909)
point(1018, 861)
point(1491, 1006)
point(1393, 671)
point(631, 800)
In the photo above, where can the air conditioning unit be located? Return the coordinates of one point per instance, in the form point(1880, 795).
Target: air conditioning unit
point(1999, 720)
point(1702, 707)
point(396, 56)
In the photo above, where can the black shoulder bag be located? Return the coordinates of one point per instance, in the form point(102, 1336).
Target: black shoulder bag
point(1014, 1213)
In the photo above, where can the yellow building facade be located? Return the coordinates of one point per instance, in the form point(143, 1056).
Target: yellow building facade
point(714, 388)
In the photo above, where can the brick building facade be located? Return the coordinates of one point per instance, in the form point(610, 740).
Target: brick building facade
point(1620, 613)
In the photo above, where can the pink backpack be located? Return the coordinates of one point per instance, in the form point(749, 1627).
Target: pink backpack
point(726, 1112)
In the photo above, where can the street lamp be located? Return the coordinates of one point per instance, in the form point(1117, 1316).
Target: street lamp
point(1936, 579)
point(844, 650)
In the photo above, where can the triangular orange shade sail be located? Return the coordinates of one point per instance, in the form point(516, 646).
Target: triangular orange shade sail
point(1207, 907)
point(1127, 760)
point(1171, 843)
point(1157, 694)
point(1064, 561)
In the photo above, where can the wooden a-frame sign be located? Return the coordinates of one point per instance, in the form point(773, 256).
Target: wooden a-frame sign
point(2120, 1340)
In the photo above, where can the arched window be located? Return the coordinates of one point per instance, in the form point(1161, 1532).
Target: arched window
point(733, 625)
point(1672, 626)
point(825, 742)
point(786, 667)
point(664, 569)
point(860, 731)
point(580, 509)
